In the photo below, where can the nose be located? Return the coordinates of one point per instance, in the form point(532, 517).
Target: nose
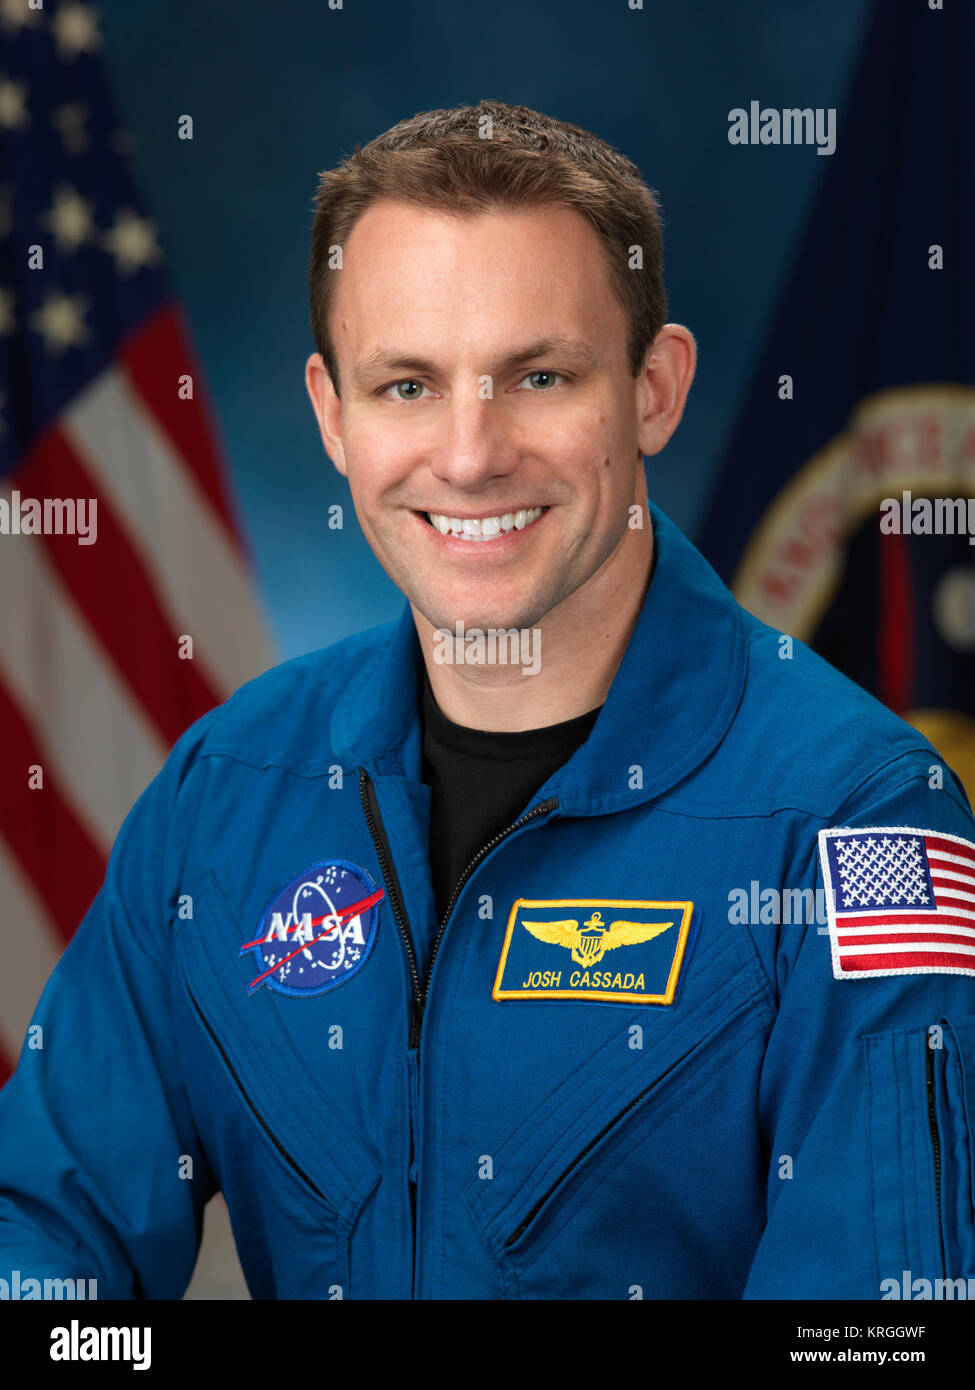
point(475, 443)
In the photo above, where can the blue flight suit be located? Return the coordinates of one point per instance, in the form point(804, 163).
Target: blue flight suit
point(608, 1085)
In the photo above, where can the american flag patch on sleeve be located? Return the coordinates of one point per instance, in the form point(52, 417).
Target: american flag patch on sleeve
point(899, 901)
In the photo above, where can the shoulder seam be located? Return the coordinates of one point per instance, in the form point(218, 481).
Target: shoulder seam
point(725, 811)
point(922, 750)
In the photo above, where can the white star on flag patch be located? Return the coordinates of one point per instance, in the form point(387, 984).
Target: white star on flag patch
point(899, 901)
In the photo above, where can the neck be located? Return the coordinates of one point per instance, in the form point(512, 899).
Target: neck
point(580, 644)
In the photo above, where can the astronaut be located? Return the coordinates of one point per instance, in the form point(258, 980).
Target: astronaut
point(558, 1056)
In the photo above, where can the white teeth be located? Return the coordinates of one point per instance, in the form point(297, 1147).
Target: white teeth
point(485, 527)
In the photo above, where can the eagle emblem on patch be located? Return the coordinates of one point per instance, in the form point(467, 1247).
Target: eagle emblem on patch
point(647, 939)
point(590, 942)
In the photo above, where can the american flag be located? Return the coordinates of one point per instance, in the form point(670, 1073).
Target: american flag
point(102, 407)
point(899, 901)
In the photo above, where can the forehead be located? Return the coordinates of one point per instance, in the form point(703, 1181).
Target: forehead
point(543, 268)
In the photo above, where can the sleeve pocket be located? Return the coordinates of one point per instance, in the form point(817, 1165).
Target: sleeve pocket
point(921, 1088)
point(953, 1074)
point(904, 1142)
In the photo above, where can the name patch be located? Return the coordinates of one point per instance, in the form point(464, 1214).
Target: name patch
point(609, 950)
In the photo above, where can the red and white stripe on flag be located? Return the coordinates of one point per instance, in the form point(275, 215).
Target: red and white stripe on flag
point(118, 540)
point(95, 686)
point(899, 901)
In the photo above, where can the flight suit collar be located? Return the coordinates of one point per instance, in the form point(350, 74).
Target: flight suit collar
point(671, 702)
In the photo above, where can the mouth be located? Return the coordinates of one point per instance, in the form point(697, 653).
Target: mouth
point(479, 529)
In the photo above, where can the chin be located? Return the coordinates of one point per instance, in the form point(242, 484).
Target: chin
point(444, 608)
point(475, 616)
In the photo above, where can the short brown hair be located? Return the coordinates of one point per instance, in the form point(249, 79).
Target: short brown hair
point(440, 160)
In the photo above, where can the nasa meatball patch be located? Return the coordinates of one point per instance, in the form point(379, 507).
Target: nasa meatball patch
point(316, 933)
point(607, 950)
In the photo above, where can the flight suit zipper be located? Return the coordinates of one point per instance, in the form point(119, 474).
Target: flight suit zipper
point(539, 810)
point(370, 808)
point(377, 830)
point(935, 1141)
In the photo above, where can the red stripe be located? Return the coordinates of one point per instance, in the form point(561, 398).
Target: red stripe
point(903, 938)
point(343, 915)
point(889, 919)
point(895, 638)
point(937, 844)
point(379, 893)
point(53, 847)
point(6, 1068)
point(949, 900)
point(961, 881)
point(961, 875)
point(116, 599)
point(850, 965)
point(155, 358)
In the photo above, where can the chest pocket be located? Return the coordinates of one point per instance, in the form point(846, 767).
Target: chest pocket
point(294, 1173)
point(610, 1191)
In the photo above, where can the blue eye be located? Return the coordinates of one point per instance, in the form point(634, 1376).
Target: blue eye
point(549, 379)
point(543, 373)
point(407, 381)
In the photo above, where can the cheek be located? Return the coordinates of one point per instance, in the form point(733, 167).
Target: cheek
point(375, 465)
point(611, 480)
point(596, 437)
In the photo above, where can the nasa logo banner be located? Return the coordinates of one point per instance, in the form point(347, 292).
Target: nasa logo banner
point(317, 932)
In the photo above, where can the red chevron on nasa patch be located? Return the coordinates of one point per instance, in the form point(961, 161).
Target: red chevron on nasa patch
point(900, 901)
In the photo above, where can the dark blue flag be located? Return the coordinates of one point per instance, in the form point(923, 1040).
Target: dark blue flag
point(844, 511)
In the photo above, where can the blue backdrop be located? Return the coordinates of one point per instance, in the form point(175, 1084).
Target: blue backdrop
point(278, 93)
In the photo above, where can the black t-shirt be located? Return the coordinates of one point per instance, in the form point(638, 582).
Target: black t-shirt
point(481, 781)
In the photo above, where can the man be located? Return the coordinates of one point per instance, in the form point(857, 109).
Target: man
point(479, 955)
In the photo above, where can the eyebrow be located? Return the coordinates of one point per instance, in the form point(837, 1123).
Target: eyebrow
point(388, 360)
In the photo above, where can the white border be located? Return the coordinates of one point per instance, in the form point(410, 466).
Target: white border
point(838, 973)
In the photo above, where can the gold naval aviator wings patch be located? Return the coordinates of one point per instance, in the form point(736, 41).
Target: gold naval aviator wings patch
point(547, 936)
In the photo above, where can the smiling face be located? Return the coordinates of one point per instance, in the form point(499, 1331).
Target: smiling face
point(489, 426)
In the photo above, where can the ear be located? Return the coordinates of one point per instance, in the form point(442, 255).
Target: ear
point(328, 409)
point(662, 386)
